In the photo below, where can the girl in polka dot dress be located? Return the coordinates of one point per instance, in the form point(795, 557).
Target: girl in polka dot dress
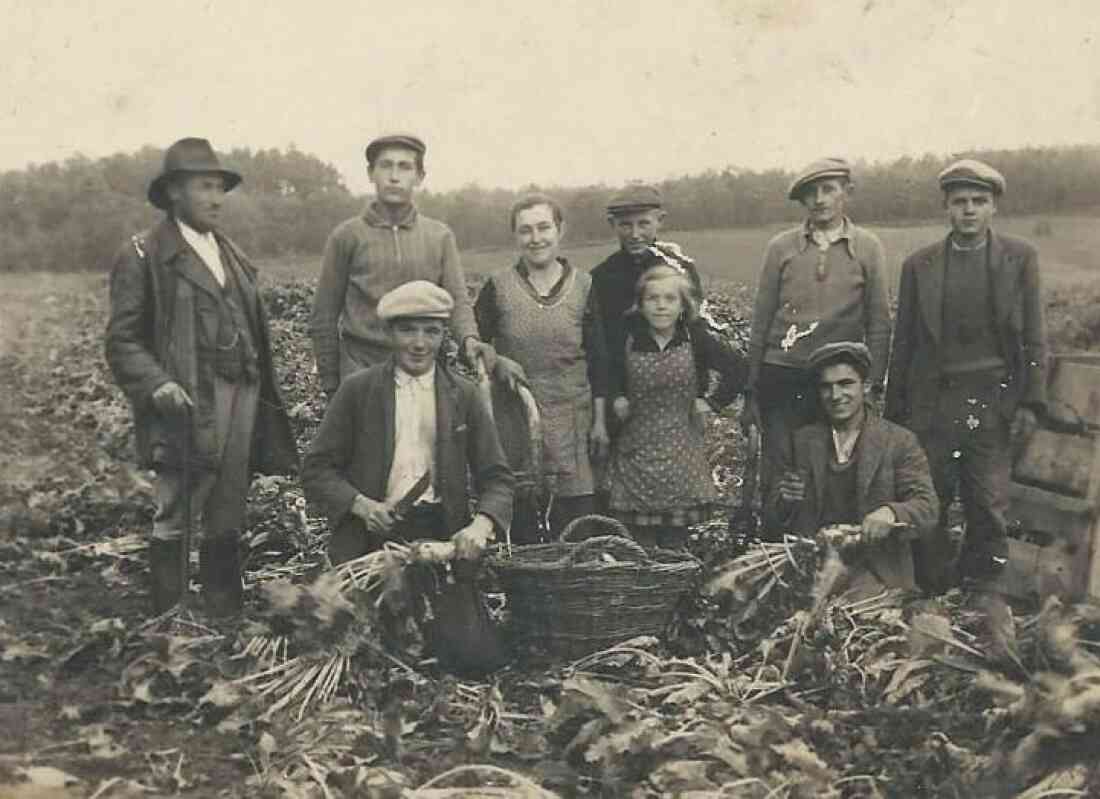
point(659, 475)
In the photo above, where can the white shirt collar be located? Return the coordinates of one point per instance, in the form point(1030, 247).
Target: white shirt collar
point(206, 246)
point(424, 382)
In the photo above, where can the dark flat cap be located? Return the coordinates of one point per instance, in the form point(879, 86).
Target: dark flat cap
point(395, 140)
point(192, 155)
point(843, 351)
point(823, 168)
point(635, 197)
point(969, 172)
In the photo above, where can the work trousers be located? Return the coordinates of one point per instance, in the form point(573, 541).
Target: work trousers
point(525, 520)
point(218, 497)
point(787, 401)
point(969, 450)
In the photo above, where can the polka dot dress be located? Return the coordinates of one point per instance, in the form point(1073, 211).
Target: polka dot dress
point(659, 472)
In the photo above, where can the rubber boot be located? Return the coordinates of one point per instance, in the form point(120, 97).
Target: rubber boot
point(220, 570)
point(165, 560)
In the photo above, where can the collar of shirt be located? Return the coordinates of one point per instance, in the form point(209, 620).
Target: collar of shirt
point(525, 273)
point(375, 215)
point(644, 341)
point(206, 247)
point(424, 382)
point(845, 443)
point(816, 236)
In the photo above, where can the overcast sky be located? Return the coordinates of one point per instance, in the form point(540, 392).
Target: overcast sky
point(550, 91)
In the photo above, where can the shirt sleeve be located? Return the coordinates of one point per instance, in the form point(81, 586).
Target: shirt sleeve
point(328, 304)
point(877, 312)
point(595, 345)
point(454, 281)
point(764, 308)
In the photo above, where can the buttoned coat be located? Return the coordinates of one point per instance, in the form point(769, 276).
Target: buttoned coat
point(1017, 308)
point(891, 470)
point(164, 312)
point(353, 452)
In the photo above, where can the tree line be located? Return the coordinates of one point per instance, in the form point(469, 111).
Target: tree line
point(72, 216)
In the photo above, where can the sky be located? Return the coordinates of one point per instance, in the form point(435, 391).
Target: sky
point(552, 92)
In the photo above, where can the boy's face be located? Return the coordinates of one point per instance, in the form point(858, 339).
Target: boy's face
point(416, 342)
point(825, 200)
point(395, 175)
point(840, 389)
point(970, 210)
point(637, 229)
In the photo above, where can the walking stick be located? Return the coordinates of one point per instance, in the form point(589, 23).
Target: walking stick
point(185, 561)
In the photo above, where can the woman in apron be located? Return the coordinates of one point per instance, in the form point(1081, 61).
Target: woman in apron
point(542, 318)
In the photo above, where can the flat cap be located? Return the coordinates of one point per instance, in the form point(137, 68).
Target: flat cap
point(970, 172)
point(418, 298)
point(635, 197)
point(395, 140)
point(843, 351)
point(822, 168)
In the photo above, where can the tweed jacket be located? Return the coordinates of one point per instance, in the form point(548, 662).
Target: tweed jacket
point(891, 470)
point(164, 311)
point(353, 451)
point(1017, 307)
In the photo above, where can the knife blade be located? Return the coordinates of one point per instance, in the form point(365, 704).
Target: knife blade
point(409, 498)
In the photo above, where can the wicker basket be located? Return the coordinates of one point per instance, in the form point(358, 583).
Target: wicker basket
point(576, 598)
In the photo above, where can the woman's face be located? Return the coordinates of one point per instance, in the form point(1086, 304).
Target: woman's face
point(538, 236)
point(662, 304)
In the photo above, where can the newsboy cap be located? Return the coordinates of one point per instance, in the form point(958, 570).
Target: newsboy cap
point(842, 352)
point(188, 155)
point(407, 140)
point(818, 170)
point(418, 298)
point(970, 172)
point(635, 197)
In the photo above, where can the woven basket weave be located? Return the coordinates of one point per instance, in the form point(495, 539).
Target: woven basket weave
point(577, 598)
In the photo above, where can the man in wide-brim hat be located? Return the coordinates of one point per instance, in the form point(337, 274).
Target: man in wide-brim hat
point(188, 343)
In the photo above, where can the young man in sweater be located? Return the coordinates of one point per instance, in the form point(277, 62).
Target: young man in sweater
point(822, 282)
point(390, 243)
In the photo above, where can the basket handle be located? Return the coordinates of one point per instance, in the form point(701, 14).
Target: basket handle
point(606, 543)
point(604, 525)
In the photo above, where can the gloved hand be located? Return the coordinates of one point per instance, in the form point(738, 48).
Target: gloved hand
point(375, 515)
point(170, 398)
point(472, 539)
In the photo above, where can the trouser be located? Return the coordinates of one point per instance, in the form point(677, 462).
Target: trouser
point(787, 401)
point(525, 523)
point(969, 450)
point(218, 498)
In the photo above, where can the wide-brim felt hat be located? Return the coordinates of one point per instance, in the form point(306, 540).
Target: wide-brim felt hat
point(407, 140)
point(818, 170)
point(970, 172)
point(190, 155)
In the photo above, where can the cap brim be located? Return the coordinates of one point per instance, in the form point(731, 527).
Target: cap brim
point(796, 188)
point(976, 183)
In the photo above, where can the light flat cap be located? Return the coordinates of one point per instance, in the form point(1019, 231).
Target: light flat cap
point(842, 352)
point(818, 170)
point(969, 172)
point(635, 197)
point(408, 140)
point(418, 298)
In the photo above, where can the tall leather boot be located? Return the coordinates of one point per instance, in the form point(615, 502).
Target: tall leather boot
point(165, 560)
point(220, 570)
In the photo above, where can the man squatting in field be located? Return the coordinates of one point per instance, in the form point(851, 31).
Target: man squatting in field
point(409, 424)
point(821, 282)
point(636, 214)
point(188, 343)
point(968, 369)
point(388, 244)
point(850, 467)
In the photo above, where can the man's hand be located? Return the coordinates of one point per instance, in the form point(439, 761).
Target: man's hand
point(878, 525)
point(472, 539)
point(1023, 426)
point(599, 442)
point(750, 414)
point(376, 515)
point(509, 372)
point(474, 349)
point(791, 487)
point(621, 408)
point(170, 398)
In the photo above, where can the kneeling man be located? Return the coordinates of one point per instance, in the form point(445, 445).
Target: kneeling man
point(854, 468)
point(392, 456)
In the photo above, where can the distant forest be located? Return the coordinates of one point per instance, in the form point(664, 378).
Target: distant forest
point(72, 216)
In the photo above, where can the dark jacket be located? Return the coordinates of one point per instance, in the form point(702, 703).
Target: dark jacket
point(891, 470)
point(164, 312)
point(912, 391)
point(353, 451)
